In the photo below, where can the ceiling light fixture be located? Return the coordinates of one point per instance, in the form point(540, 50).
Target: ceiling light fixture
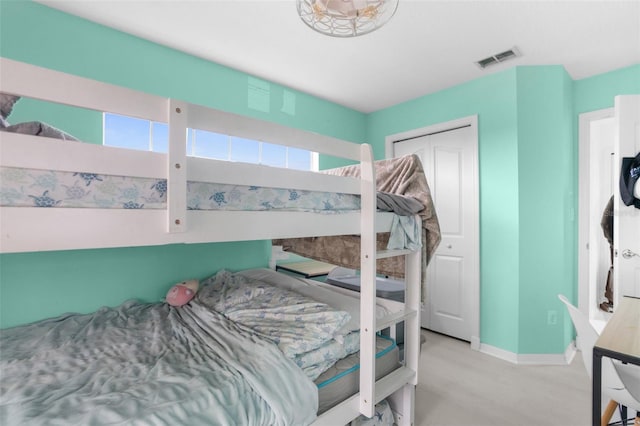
point(346, 18)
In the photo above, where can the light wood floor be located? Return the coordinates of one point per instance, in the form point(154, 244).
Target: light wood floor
point(461, 387)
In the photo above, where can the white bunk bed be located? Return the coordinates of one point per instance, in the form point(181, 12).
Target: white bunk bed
point(28, 229)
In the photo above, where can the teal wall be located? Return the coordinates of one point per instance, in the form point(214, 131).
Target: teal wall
point(42, 36)
point(42, 285)
point(528, 153)
point(39, 285)
point(597, 92)
point(83, 124)
point(527, 123)
point(545, 177)
point(494, 100)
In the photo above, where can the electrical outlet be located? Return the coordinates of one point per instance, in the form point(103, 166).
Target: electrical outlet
point(552, 317)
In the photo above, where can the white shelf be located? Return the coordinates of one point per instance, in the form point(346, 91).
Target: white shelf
point(394, 318)
point(382, 254)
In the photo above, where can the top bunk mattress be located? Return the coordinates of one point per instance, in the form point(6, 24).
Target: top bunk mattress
point(21, 187)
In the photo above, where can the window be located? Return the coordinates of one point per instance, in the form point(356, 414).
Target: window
point(134, 133)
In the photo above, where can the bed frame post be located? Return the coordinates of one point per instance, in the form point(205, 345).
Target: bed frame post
point(368, 282)
point(402, 403)
point(177, 167)
point(413, 287)
point(403, 400)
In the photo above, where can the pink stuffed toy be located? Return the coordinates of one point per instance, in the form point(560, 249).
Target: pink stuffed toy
point(182, 293)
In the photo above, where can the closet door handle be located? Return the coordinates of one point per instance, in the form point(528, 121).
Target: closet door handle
point(628, 254)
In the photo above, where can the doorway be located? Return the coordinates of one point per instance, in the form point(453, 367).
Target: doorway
point(449, 154)
point(605, 137)
point(626, 262)
point(596, 186)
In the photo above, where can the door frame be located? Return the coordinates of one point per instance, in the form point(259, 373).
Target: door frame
point(472, 122)
point(626, 271)
point(586, 295)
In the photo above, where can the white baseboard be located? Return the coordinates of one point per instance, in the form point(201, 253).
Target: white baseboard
point(531, 359)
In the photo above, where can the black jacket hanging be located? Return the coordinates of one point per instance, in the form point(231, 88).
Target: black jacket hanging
point(629, 174)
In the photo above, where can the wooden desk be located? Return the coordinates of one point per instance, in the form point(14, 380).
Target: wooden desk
point(619, 340)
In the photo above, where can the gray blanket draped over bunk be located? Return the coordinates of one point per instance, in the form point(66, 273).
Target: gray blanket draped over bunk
point(402, 176)
point(149, 364)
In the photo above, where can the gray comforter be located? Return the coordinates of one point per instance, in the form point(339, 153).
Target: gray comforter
point(148, 364)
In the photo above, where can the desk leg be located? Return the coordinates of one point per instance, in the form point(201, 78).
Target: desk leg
point(596, 392)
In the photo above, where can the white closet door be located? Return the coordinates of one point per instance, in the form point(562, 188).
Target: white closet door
point(449, 160)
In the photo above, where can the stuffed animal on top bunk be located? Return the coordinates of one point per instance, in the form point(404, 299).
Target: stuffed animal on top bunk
point(182, 293)
point(35, 128)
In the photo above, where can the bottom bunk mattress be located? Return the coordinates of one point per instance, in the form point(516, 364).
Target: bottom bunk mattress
point(341, 380)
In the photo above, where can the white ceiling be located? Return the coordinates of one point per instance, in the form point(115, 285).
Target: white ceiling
point(427, 46)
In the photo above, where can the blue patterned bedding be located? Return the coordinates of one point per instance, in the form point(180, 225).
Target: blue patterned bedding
point(308, 332)
point(20, 187)
point(346, 341)
point(45, 188)
point(296, 323)
point(319, 360)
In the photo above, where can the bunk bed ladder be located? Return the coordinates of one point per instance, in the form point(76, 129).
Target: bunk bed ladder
point(400, 384)
point(403, 399)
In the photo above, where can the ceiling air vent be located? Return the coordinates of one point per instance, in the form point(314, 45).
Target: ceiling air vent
point(498, 58)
